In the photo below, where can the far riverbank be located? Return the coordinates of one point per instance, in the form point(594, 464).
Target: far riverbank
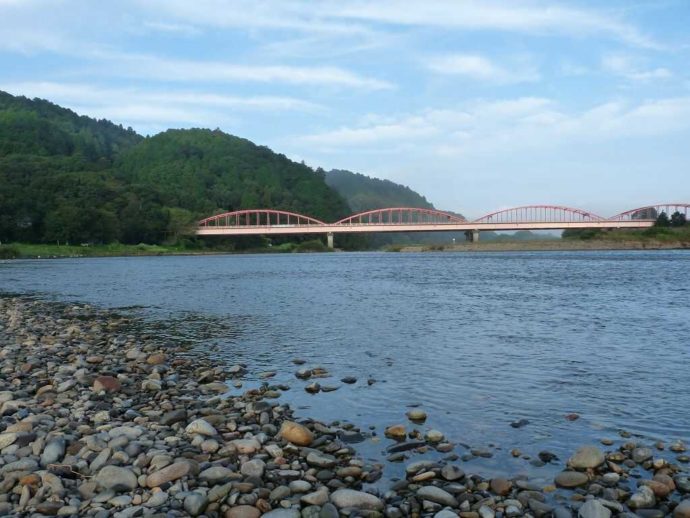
point(548, 245)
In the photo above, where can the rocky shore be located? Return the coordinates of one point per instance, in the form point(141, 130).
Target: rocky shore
point(99, 419)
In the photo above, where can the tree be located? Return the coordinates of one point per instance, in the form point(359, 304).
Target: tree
point(662, 220)
point(678, 219)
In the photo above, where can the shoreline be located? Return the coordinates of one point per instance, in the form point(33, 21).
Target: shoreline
point(548, 246)
point(100, 418)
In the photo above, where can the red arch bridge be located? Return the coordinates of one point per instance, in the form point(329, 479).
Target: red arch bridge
point(407, 219)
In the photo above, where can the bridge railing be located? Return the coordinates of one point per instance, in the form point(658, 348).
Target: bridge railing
point(539, 214)
point(652, 212)
point(401, 216)
point(259, 218)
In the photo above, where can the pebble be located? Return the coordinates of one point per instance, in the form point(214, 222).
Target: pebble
point(344, 498)
point(587, 457)
point(296, 433)
point(593, 509)
point(201, 427)
point(682, 510)
point(116, 478)
point(416, 415)
point(437, 495)
point(570, 479)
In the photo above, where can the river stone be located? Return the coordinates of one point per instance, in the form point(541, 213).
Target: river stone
point(660, 489)
point(417, 466)
point(434, 436)
point(157, 499)
point(639, 455)
point(593, 509)
point(53, 451)
point(6, 439)
point(396, 431)
point(107, 383)
point(501, 486)
point(201, 427)
point(437, 495)
point(296, 433)
point(245, 446)
point(642, 499)
point(319, 497)
point(116, 478)
point(451, 472)
point(168, 474)
point(217, 475)
point(416, 415)
point(682, 510)
point(253, 468)
point(343, 498)
point(300, 486)
point(587, 457)
point(243, 511)
point(195, 503)
point(20, 465)
point(570, 479)
point(282, 513)
point(174, 416)
point(321, 460)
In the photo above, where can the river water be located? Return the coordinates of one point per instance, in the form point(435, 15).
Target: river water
point(477, 340)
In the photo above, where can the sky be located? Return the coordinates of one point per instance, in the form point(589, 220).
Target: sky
point(479, 105)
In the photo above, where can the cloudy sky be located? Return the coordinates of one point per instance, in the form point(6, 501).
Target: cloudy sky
point(477, 104)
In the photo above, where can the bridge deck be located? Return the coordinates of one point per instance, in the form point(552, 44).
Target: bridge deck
point(408, 227)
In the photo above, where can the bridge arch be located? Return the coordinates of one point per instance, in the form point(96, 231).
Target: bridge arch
point(259, 218)
point(651, 212)
point(539, 214)
point(400, 216)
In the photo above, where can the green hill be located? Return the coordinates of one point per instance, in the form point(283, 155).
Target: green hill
point(70, 178)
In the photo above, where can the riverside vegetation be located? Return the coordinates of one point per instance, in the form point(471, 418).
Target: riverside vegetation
point(99, 418)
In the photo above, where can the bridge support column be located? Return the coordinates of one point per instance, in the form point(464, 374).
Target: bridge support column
point(329, 239)
point(475, 236)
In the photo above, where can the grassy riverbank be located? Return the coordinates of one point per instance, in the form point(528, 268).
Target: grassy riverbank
point(44, 251)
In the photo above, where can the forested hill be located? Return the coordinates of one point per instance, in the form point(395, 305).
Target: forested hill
point(70, 178)
point(202, 171)
point(41, 128)
point(364, 193)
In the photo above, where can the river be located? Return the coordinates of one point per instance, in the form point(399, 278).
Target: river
point(476, 340)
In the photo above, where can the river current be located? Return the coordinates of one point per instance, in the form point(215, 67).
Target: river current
point(478, 340)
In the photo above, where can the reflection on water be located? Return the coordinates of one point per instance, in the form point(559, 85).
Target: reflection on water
point(478, 340)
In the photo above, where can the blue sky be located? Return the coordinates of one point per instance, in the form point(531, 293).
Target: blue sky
point(477, 104)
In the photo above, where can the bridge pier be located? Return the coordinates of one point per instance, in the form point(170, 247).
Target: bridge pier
point(329, 239)
point(475, 236)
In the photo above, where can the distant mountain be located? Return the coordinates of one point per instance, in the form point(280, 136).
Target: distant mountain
point(364, 193)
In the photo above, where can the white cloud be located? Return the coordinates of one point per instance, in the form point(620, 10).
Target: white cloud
point(92, 95)
point(339, 17)
point(475, 66)
point(627, 66)
point(174, 28)
point(501, 126)
point(143, 66)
